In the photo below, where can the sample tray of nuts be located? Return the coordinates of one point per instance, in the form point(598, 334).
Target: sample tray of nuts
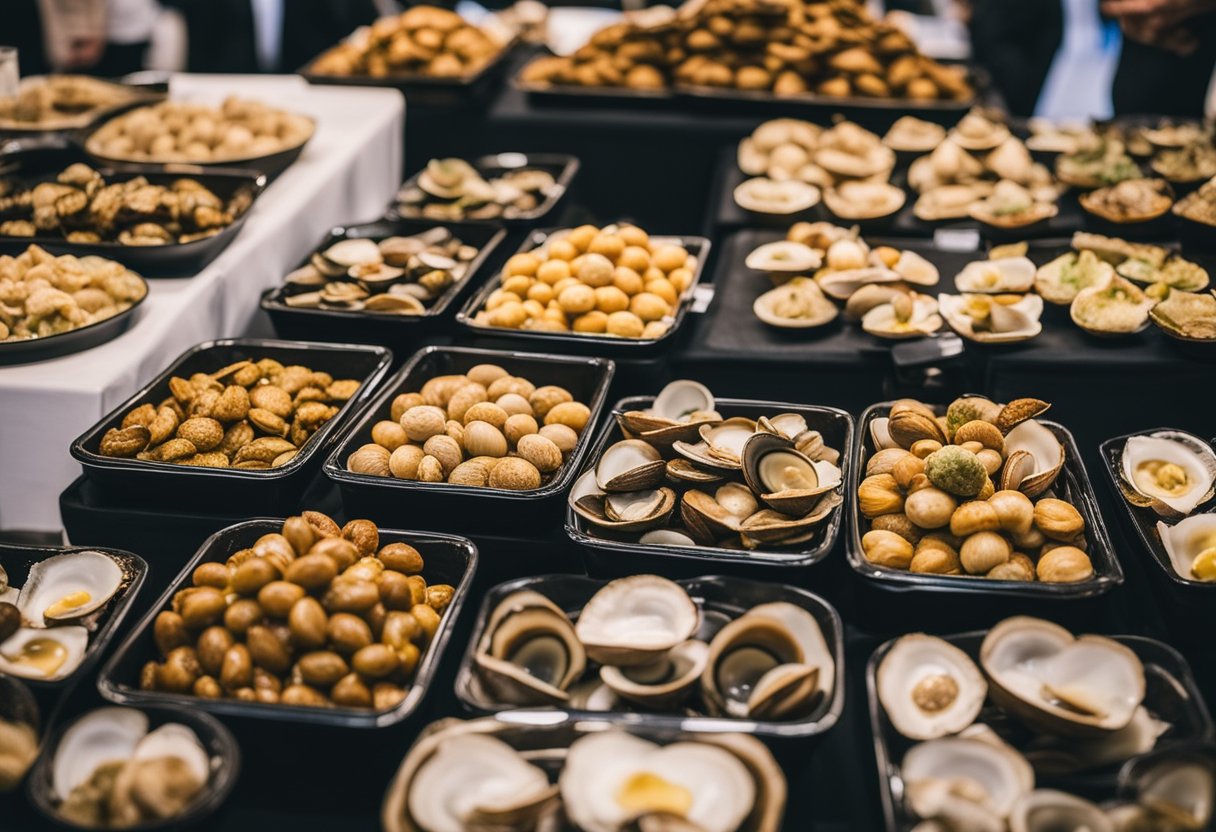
point(585, 343)
point(269, 448)
point(1090, 767)
point(445, 559)
point(581, 385)
point(1071, 485)
point(720, 601)
point(343, 320)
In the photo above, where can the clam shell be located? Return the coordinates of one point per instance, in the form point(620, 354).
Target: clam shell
point(529, 654)
point(60, 577)
point(1046, 458)
point(767, 196)
point(102, 736)
point(1184, 541)
point(912, 660)
point(630, 465)
point(1190, 453)
point(725, 441)
point(682, 470)
point(72, 639)
point(1001, 276)
point(784, 256)
point(1011, 323)
point(353, 252)
point(882, 321)
point(635, 620)
point(664, 684)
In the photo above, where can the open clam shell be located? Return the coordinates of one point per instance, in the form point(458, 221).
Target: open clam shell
point(69, 586)
point(530, 654)
point(996, 775)
point(45, 654)
point(664, 683)
point(1114, 307)
point(917, 318)
point(1000, 276)
point(629, 465)
point(768, 196)
point(993, 319)
point(929, 688)
point(797, 304)
point(709, 518)
point(786, 480)
point(725, 441)
point(784, 256)
point(682, 470)
point(842, 284)
point(623, 511)
point(1187, 542)
point(1034, 458)
point(769, 526)
point(635, 620)
point(1171, 472)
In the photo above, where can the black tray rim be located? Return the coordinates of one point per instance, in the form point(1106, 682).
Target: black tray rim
point(140, 96)
point(87, 336)
point(326, 433)
point(902, 581)
point(100, 640)
point(767, 729)
point(537, 238)
point(118, 693)
point(335, 469)
point(714, 554)
point(273, 298)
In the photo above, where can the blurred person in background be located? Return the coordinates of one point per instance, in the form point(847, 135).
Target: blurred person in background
point(1168, 57)
point(1015, 41)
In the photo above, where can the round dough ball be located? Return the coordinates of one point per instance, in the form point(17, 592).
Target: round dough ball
point(625, 324)
point(576, 300)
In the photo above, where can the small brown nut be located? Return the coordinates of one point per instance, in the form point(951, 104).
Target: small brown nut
point(245, 695)
point(322, 668)
point(439, 597)
point(990, 459)
point(267, 650)
point(971, 447)
point(928, 508)
point(389, 435)
point(342, 389)
point(514, 404)
point(364, 569)
point(278, 597)
point(242, 614)
point(252, 575)
point(403, 463)
point(303, 696)
point(386, 696)
point(348, 633)
point(364, 535)
point(266, 449)
point(206, 687)
point(351, 692)
point(921, 448)
point(445, 449)
point(455, 430)
point(541, 452)
point(984, 550)
point(437, 391)
point(273, 398)
point(213, 643)
point(204, 606)
point(403, 402)
point(322, 523)
point(142, 415)
point(232, 405)
point(164, 425)
point(265, 680)
point(486, 374)
point(351, 596)
point(907, 468)
point(311, 571)
point(885, 548)
point(563, 436)
point(935, 556)
point(340, 550)
point(515, 474)
point(464, 398)
point(235, 437)
point(124, 442)
point(267, 422)
point(574, 415)
point(400, 629)
point(1064, 564)
point(179, 672)
point(169, 632)
point(986, 434)
point(175, 449)
point(369, 459)
point(275, 548)
point(908, 427)
point(212, 574)
point(401, 557)
point(307, 622)
point(148, 675)
point(483, 439)
point(409, 655)
point(1058, 520)
point(428, 620)
point(375, 661)
point(423, 422)
point(879, 494)
point(510, 384)
point(203, 432)
point(202, 404)
point(430, 469)
point(470, 473)
point(1018, 568)
point(394, 589)
point(299, 534)
point(884, 461)
point(544, 399)
point(418, 588)
point(974, 516)
point(900, 524)
point(486, 412)
point(1014, 511)
point(1030, 541)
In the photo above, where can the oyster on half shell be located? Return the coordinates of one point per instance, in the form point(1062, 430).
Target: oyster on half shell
point(1191, 546)
point(1171, 471)
point(928, 687)
point(1115, 307)
point(993, 319)
point(997, 276)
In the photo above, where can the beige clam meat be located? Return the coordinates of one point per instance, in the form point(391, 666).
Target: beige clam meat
point(797, 304)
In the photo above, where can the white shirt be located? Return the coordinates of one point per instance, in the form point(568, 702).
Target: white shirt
point(131, 21)
point(268, 31)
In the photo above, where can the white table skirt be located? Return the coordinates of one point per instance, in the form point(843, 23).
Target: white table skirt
point(347, 173)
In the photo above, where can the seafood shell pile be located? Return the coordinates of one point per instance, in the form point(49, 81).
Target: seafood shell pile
point(1172, 473)
point(424, 40)
point(319, 615)
point(60, 101)
point(46, 624)
point(179, 131)
point(616, 280)
point(970, 493)
point(252, 415)
point(995, 304)
point(392, 276)
point(829, 49)
point(643, 643)
point(467, 775)
point(485, 428)
point(820, 261)
point(42, 295)
point(113, 771)
point(80, 206)
point(1040, 703)
point(684, 476)
point(452, 189)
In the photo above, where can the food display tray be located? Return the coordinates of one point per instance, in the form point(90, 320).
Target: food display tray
point(392, 500)
point(616, 556)
point(342, 326)
point(447, 558)
point(1076, 486)
point(563, 167)
point(31, 163)
point(212, 489)
point(1184, 597)
point(608, 346)
point(17, 561)
point(719, 598)
point(140, 95)
point(1170, 694)
point(72, 341)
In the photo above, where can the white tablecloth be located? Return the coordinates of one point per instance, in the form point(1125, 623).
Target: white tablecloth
point(347, 173)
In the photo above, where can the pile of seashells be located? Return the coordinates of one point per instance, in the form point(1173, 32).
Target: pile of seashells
point(1041, 703)
point(1172, 473)
point(46, 625)
point(392, 276)
point(744, 484)
point(252, 415)
point(970, 493)
point(42, 295)
point(113, 771)
point(642, 642)
point(484, 428)
point(819, 263)
point(317, 615)
point(452, 189)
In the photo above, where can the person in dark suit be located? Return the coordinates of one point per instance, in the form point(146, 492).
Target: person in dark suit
point(1016, 41)
point(223, 35)
point(1168, 57)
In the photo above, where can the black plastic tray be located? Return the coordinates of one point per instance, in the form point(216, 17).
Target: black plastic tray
point(387, 499)
point(43, 162)
point(371, 328)
point(248, 491)
point(76, 340)
point(17, 561)
point(1192, 596)
point(1073, 483)
point(1170, 694)
point(605, 555)
point(721, 600)
point(562, 166)
point(141, 95)
point(217, 740)
point(447, 558)
point(582, 343)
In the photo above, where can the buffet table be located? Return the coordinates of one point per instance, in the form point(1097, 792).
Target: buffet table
point(348, 171)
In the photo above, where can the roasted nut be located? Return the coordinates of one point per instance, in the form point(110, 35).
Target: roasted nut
point(311, 571)
point(423, 422)
point(369, 459)
point(541, 452)
point(401, 557)
point(403, 463)
point(299, 534)
point(241, 615)
point(348, 633)
point(884, 548)
point(322, 668)
point(935, 556)
point(985, 433)
point(212, 574)
point(929, 508)
point(403, 402)
point(974, 516)
point(563, 436)
point(278, 597)
point(1018, 568)
point(202, 432)
point(515, 474)
point(573, 415)
point(907, 468)
point(983, 551)
point(1064, 564)
point(885, 460)
point(125, 442)
point(203, 607)
point(544, 399)
point(921, 448)
point(389, 435)
point(879, 494)
point(169, 632)
point(304, 696)
point(375, 661)
point(213, 643)
point(308, 623)
point(341, 551)
point(351, 692)
point(900, 524)
point(956, 471)
point(445, 450)
point(439, 597)
point(206, 687)
point(179, 672)
point(1058, 520)
point(267, 650)
point(386, 696)
point(253, 574)
point(351, 596)
point(1014, 511)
